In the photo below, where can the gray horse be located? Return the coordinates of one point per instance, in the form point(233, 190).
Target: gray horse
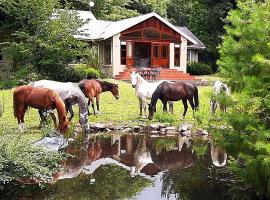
point(71, 94)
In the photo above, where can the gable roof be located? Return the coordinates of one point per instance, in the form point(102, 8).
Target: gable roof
point(101, 30)
point(199, 44)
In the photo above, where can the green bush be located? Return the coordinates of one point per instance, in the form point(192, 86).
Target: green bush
point(20, 161)
point(77, 72)
point(198, 68)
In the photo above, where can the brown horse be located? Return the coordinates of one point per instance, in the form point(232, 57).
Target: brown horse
point(39, 98)
point(94, 87)
point(176, 91)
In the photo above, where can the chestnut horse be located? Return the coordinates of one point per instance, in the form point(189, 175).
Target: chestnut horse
point(94, 87)
point(176, 91)
point(38, 98)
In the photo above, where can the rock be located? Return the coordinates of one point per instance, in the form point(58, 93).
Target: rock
point(71, 140)
point(171, 128)
point(111, 127)
point(185, 126)
point(55, 143)
point(127, 130)
point(155, 126)
point(186, 133)
point(98, 126)
point(204, 132)
point(163, 130)
point(136, 128)
point(171, 133)
point(154, 132)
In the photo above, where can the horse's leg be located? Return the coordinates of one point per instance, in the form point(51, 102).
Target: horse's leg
point(42, 117)
point(71, 112)
point(185, 107)
point(170, 106)
point(22, 117)
point(164, 102)
point(144, 103)
point(53, 118)
point(190, 100)
point(91, 103)
point(213, 106)
point(140, 105)
point(97, 102)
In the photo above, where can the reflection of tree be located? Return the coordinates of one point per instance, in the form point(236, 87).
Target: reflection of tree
point(112, 182)
point(198, 182)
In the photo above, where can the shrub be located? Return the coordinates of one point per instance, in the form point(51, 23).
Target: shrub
point(198, 68)
point(165, 117)
point(19, 160)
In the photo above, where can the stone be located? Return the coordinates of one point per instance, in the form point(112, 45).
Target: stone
point(171, 133)
point(98, 126)
point(204, 132)
point(136, 128)
point(54, 143)
point(171, 128)
point(186, 133)
point(111, 127)
point(163, 130)
point(127, 130)
point(71, 140)
point(154, 126)
point(185, 126)
point(154, 132)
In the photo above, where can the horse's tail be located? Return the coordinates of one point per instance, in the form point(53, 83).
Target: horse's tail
point(15, 105)
point(196, 96)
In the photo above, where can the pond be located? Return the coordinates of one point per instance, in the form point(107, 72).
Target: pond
point(134, 166)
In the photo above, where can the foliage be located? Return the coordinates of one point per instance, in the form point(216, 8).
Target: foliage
point(165, 117)
point(245, 55)
point(20, 161)
point(42, 35)
point(205, 19)
point(82, 71)
point(93, 60)
point(199, 68)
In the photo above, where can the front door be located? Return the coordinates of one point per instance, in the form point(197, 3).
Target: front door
point(130, 57)
point(160, 54)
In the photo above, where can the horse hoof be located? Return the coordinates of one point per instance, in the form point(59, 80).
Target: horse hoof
point(98, 113)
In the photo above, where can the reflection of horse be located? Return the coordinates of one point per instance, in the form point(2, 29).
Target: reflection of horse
point(93, 88)
point(144, 91)
point(39, 98)
point(218, 156)
point(174, 92)
point(219, 88)
point(165, 160)
point(70, 94)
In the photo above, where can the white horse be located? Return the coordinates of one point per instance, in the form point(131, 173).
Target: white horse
point(218, 155)
point(71, 94)
point(144, 91)
point(219, 88)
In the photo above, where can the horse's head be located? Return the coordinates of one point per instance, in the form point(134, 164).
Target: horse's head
point(152, 110)
point(63, 124)
point(133, 77)
point(115, 91)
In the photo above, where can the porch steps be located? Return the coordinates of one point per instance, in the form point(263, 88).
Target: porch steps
point(165, 74)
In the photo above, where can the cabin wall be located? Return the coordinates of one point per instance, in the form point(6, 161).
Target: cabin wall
point(183, 55)
point(116, 57)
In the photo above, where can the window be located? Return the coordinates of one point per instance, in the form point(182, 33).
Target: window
point(107, 53)
point(177, 55)
point(123, 54)
point(156, 51)
point(188, 56)
point(165, 51)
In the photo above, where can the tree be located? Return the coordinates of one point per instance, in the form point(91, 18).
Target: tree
point(245, 62)
point(205, 19)
point(42, 35)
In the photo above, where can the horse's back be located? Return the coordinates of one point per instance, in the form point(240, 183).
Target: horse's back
point(90, 86)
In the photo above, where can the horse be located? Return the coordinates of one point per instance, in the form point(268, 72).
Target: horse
point(94, 87)
point(174, 92)
point(218, 155)
point(144, 91)
point(71, 94)
point(219, 88)
point(39, 98)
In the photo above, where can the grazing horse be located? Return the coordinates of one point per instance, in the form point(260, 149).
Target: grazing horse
point(70, 94)
point(144, 91)
point(94, 87)
point(39, 98)
point(174, 92)
point(219, 88)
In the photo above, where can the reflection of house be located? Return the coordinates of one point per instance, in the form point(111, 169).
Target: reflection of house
point(143, 41)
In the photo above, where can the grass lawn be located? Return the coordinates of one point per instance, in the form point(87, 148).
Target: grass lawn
point(124, 111)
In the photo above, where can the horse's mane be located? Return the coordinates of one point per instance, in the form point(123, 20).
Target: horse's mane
point(60, 106)
point(105, 85)
point(155, 97)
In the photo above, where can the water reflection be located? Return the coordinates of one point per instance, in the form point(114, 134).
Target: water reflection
point(141, 167)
